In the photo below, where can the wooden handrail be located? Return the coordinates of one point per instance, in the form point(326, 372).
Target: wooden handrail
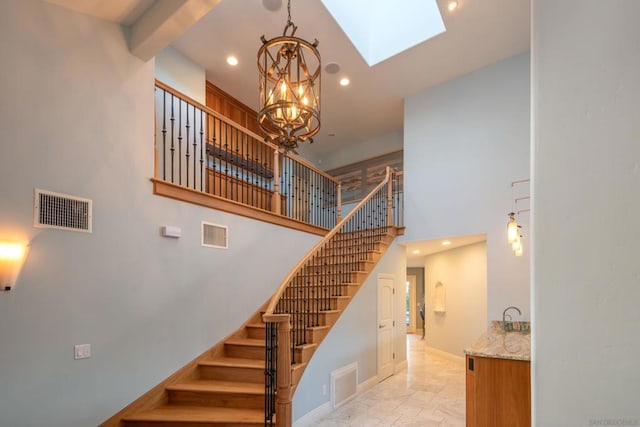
point(231, 123)
point(283, 286)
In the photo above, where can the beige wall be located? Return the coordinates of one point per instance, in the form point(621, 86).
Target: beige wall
point(463, 272)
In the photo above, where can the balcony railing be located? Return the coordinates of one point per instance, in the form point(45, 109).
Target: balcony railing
point(203, 152)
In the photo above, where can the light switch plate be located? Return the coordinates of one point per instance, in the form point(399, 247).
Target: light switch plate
point(82, 351)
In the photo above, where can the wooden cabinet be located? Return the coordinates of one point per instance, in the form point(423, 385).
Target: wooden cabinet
point(498, 392)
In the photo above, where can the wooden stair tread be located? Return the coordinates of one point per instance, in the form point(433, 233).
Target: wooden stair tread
point(198, 414)
point(234, 362)
point(252, 342)
point(218, 386)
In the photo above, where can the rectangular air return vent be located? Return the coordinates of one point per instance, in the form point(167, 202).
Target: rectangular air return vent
point(60, 211)
point(344, 384)
point(214, 235)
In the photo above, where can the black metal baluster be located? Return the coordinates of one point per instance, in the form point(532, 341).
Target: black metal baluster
point(195, 146)
point(164, 134)
point(202, 150)
point(173, 148)
point(179, 141)
point(187, 155)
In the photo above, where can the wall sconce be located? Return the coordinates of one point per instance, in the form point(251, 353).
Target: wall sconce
point(514, 235)
point(12, 257)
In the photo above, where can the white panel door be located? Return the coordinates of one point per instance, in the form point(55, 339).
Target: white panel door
point(385, 326)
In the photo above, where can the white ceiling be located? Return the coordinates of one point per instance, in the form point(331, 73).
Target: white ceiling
point(429, 247)
point(479, 33)
point(124, 12)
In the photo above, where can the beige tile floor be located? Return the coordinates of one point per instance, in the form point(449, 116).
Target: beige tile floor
point(430, 392)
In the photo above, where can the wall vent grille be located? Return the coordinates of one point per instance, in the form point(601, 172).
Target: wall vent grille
point(61, 211)
point(214, 235)
point(344, 384)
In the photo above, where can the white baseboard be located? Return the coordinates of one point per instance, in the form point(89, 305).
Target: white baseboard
point(367, 384)
point(399, 367)
point(314, 415)
point(325, 409)
point(447, 355)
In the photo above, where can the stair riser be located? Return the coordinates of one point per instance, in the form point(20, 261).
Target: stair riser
point(229, 373)
point(226, 400)
point(344, 267)
point(352, 250)
point(303, 355)
point(328, 279)
point(328, 319)
point(244, 351)
point(321, 304)
point(339, 259)
point(316, 335)
point(255, 332)
point(319, 292)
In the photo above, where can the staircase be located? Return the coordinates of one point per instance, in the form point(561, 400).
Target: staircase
point(226, 386)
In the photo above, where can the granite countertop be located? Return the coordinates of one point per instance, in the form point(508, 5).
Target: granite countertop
point(498, 343)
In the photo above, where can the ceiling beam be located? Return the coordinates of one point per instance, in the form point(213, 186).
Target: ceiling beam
point(164, 22)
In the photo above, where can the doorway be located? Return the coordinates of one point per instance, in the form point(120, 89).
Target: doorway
point(410, 305)
point(385, 326)
point(419, 301)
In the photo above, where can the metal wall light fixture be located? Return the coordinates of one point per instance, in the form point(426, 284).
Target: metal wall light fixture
point(289, 88)
point(514, 230)
point(12, 257)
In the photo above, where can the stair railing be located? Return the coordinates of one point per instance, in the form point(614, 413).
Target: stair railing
point(313, 284)
point(201, 151)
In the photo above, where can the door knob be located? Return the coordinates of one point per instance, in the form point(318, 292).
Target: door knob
point(380, 326)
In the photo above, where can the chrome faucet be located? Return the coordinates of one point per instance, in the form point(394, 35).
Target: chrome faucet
point(504, 313)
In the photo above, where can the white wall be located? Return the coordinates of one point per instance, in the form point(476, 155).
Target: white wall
point(586, 164)
point(352, 153)
point(465, 141)
point(463, 272)
point(179, 72)
point(77, 117)
point(354, 337)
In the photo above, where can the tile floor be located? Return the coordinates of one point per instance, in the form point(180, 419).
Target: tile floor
point(429, 393)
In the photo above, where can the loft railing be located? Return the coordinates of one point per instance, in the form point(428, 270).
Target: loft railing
point(321, 275)
point(200, 150)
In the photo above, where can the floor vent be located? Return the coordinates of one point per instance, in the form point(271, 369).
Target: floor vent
point(214, 236)
point(344, 384)
point(61, 211)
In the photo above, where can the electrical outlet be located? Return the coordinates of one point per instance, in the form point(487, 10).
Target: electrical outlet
point(324, 389)
point(82, 351)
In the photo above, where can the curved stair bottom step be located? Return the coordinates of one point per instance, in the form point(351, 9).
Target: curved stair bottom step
point(196, 416)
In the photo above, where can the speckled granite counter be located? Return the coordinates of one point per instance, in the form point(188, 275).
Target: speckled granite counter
point(499, 344)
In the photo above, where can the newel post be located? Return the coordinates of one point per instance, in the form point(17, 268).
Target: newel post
point(284, 412)
point(276, 202)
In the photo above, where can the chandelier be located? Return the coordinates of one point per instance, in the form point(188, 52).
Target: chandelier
point(289, 88)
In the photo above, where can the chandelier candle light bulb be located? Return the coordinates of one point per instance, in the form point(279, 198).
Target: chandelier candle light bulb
point(512, 228)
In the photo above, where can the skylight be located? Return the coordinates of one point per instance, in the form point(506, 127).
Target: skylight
point(380, 29)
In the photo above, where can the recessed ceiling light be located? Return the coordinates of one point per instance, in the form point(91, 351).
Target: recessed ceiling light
point(453, 5)
point(416, 252)
point(446, 243)
point(344, 81)
point(232, 60)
